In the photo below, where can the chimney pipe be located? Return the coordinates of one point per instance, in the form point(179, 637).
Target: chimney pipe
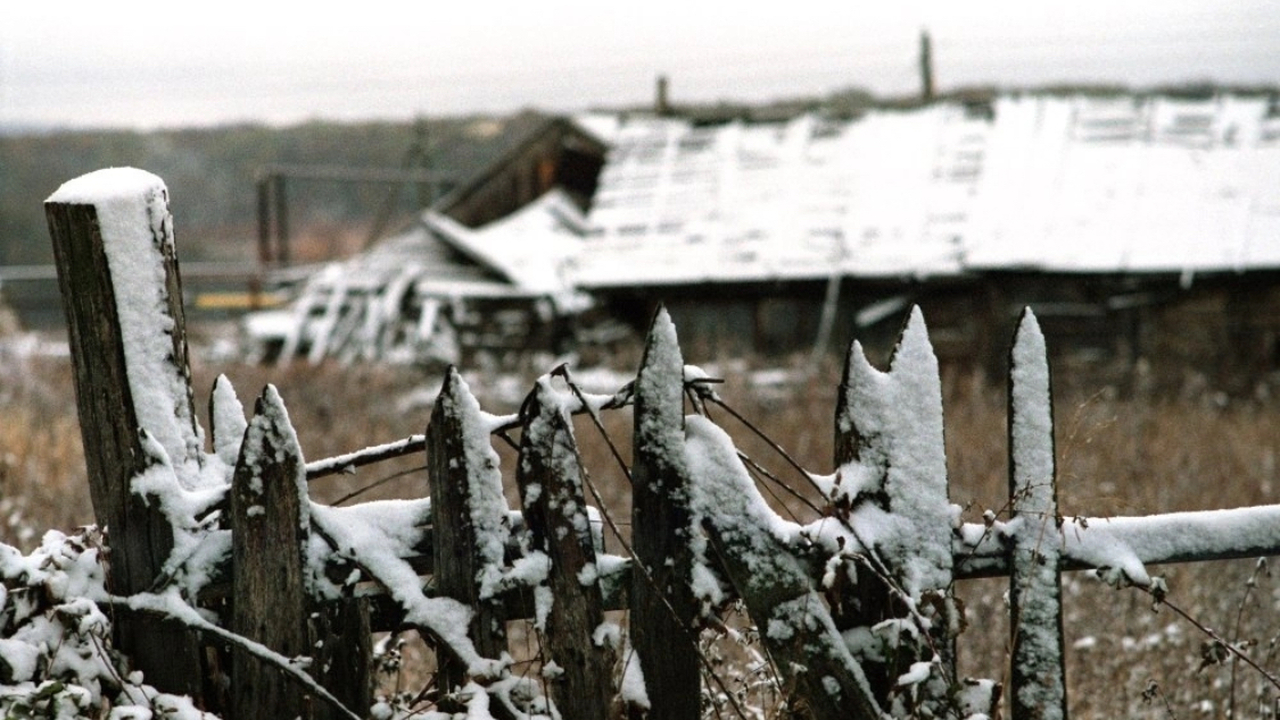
point(926, 68)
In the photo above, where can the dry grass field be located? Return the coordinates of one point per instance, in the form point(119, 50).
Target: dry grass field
point(1117, 455)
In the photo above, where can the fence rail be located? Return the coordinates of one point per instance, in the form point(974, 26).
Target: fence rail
point(233, 531)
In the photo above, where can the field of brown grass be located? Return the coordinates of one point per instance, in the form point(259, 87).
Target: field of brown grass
point(1117, 455)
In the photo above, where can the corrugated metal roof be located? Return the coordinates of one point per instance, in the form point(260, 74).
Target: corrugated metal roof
point(1055, 184)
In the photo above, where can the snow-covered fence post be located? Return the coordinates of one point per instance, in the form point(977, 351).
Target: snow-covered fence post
point(1035, 595)
point(780, 595)
point(270, 523)
point(118, 275)
point(892, 471)
point(661, 601)
point(469, 520)
point(551, 490)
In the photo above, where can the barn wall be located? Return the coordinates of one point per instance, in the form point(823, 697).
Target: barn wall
point(1224, 329)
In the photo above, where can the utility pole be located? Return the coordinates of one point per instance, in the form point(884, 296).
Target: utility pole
point(926, 68)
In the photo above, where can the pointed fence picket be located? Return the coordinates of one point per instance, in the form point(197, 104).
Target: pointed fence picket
point(270, 527)
point(662, 604)
point(571, 612)
point(856, 610)
point(1035, 593)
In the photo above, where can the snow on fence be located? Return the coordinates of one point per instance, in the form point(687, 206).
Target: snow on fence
point(228, 584)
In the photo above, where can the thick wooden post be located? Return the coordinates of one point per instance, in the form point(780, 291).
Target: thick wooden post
point(550, 480)
point(270, 522)
point(118, 274)
point(661, 601)
point(469, 520)
point(1038, 677)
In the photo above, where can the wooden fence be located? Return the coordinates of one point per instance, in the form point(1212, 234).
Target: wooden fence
point(856, 610)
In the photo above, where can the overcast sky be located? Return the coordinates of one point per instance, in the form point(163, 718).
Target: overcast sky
point(126, 63)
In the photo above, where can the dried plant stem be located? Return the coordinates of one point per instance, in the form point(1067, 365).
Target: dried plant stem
point(1258, 568)
point(1209, 632)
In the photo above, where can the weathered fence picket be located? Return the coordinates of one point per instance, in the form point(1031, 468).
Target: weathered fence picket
point(270, 525)
point(892, 463)
point(570, 608)
point(120, 295)
point(469, 520)
point(855, 609)
point(662, 626)
point(1035, 593)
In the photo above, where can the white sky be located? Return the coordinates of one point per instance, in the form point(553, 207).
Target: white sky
point(150, 64)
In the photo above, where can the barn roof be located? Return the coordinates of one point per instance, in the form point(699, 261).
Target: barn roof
point(528, 249)
point(1055, 184)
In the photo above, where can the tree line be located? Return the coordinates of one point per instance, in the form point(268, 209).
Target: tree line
point(211, 172)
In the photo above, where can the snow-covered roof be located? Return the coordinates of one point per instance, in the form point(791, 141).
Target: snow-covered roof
point(1162, 186)
point(1054, 184)
point(528, 247)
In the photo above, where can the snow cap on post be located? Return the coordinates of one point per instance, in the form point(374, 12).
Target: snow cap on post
point(660, 392)
point(1031, 412)
point(136, 229)
point(890, 444)
point(226, 417)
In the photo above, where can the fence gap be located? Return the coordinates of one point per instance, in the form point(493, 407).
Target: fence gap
point(270, 522)
point(551, 489)
point(469, 520)
point(662, 605)
point(118, 276)
point(1038, 680)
